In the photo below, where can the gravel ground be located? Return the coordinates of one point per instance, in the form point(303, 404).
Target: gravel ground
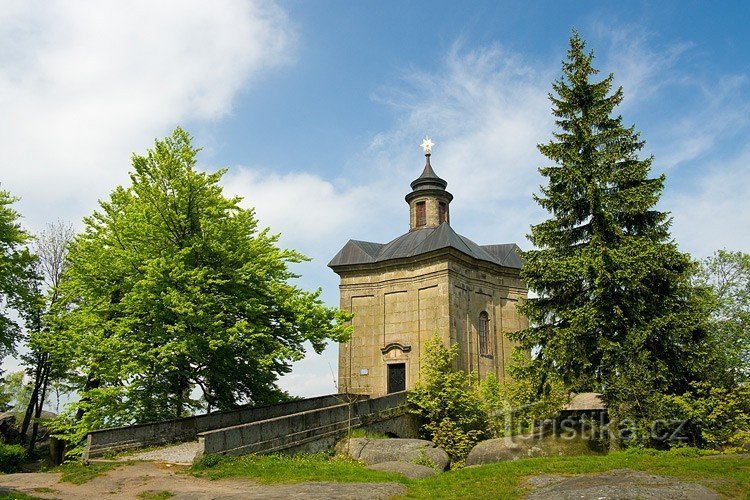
point(182, 454)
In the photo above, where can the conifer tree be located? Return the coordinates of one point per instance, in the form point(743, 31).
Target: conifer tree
point(615, 310)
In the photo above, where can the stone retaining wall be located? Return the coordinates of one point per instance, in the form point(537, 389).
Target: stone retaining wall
point(118, 439)
point(313, 430)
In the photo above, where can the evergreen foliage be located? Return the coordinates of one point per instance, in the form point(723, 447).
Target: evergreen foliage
point(172, 287)
point(448, 402)
point(616, 311)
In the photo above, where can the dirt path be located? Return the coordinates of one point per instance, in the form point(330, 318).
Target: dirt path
point(129, 481)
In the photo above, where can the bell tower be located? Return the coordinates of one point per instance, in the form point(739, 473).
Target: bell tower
point(428, 201)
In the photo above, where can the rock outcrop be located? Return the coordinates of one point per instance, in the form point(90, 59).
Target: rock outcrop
point(377, 451)
point(517, 447)
point(413, 471)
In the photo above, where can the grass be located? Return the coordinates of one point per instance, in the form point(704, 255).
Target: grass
point(44, 489)
point(362, 433)
point(79, 473)
point(155, 495)
point(16, 495)
point(292, 469)
point(728, 474)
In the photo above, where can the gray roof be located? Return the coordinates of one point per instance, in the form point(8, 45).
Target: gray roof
point(428, 179)
point(585, 401)
point(422, 241)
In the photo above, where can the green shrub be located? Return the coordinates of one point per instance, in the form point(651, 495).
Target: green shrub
point(717, 417)
point(210, 461)
point(514, 406)
point(423, 459)
point(448, 402)
point(12, 457)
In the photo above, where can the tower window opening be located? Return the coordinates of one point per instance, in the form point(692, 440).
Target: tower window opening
point(421, 214)
point(442, 212)
point(485, 349)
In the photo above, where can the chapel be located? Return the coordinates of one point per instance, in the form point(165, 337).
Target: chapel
point(429, 280)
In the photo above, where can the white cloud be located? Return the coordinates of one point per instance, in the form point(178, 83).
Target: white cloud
point(83, 84)
point(311, 213)
point(642, 68)
point(487, 109)
point(712, 213)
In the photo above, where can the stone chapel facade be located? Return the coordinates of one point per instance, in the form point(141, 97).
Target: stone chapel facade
point(429, 280)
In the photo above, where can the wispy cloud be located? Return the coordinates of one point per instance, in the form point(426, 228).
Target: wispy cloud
point(711, 212)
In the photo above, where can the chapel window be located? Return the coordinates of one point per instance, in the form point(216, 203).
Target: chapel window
point(485, 349)
point(421, 214)
point(442, 212)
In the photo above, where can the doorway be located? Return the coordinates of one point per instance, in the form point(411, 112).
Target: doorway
point(396, 377)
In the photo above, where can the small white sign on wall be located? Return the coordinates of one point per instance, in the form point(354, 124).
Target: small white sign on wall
point(364, 371)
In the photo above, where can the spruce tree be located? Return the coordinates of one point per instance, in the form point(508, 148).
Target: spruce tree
point(615, 311)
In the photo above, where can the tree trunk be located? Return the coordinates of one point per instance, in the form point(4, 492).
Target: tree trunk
point(91, 383)
point(39, 406)
point(34, 400)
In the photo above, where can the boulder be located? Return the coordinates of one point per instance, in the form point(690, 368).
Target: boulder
point(376, 451)
point(410, 470)
point(517, 447)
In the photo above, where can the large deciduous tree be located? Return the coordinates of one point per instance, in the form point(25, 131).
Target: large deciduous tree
point(616, 311)
point(172, 287)
point(16, 264)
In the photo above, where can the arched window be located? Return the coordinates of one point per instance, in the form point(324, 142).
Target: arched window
point(485, 349)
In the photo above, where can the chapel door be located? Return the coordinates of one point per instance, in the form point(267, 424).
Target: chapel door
point(396, 377)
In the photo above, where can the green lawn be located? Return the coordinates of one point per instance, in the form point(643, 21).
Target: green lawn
point(292, 469)
point(729, 475)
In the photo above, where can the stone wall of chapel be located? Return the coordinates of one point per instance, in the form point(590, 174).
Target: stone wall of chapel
point(475, 290)
point(398, 306)
point(404, 305)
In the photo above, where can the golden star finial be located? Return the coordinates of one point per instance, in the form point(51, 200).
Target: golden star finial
point(427, 145)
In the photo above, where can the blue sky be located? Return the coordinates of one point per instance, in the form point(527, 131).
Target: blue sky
point(317, 108)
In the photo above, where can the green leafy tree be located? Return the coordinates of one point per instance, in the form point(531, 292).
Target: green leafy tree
point(15, 390)
point(50, 248)
point(448, 402)
point(15, 268)
point(728, 276)
point(717, 417)
point(616, 311)
point(172, 287)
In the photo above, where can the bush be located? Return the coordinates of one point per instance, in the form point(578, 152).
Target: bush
point(448, 402)
point(513, 407)
point(717, 417)
point(12, 457)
